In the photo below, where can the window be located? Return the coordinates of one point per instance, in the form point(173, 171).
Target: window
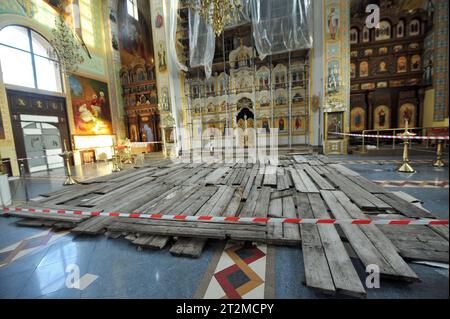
point(414, 27)
point(132, 9)
point(354, 35)
point(27, 59)
point(400, 29)
point(366, 34)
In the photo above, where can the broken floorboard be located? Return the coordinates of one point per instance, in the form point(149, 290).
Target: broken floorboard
point(299, 187)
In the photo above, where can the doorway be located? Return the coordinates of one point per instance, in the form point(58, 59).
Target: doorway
point(42, 141)
point(40, 128)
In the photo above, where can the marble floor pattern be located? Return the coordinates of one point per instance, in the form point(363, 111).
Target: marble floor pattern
point(36, 262)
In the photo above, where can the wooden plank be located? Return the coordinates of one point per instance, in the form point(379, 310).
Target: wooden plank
point(379, 240)
point(299, 185)
point(250, 204)
point(182, 231)
point(344, 275)
point(319, 180)
point(270, 176)
point(93, 226)
point(317, 272)
point(214, 177)
point(190, 247)
point(309, 184)
point(262, 205)
point(290, 231)
point(404, 207)
point(365, 248)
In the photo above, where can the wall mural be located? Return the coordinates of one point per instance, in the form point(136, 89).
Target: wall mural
point(135, 37)
point(90, 104)
point(333, 23)
point(69, 9)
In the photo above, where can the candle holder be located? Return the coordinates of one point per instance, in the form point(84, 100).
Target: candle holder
point(66, 156)
point(438, 162)
point(406, 167)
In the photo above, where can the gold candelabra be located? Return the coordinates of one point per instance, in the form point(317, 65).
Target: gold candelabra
point(406, 167)
point(66, 156)
point(438, 162)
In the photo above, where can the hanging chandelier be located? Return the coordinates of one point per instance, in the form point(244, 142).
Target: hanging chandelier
point(217, 13)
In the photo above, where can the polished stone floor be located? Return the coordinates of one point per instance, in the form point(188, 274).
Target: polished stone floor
point(39, 263)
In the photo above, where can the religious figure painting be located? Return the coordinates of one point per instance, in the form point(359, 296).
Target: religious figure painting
point(298, 124)
point(333, 22)
point(407, 113)
point(281, 125)
point(363, 69)
point(357, 119)
point(352, 70)
point(162, 64)
point(415, 63)
point(382, 117)
point(382, 68)
point(134, 35)
point(90, 104)
point(159, 20)
point(335, 124)
point(265, 125)
point(401, 64)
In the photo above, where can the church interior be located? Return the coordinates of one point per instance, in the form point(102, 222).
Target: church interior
point(224, 149)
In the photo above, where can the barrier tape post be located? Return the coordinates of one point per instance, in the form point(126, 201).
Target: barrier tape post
point(24, 182)
point(439, 162)
point(417, 222)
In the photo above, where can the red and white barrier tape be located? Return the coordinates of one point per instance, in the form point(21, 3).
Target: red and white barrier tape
point(394, 136)
point(234, 219)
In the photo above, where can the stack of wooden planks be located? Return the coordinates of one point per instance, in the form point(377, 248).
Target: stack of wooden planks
point(293, 187)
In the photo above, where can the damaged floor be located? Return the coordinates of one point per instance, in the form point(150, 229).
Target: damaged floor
point(328, 258)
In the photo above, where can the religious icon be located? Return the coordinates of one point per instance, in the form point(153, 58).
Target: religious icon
point(281, 124)
point(415, 63)
point(382, 117)
point(363, 69)
point(162, 58)
point(265, 125)
point(133, 133)
point(401, 64)
point(159, 20)
point(298, 123)
point(334, 124)
point(352, 70)
point(383, 50)
point(357, 119)
point(333, 23)
point(382, 67)
point(368, 52)
point(407, 112)
point(428, 74)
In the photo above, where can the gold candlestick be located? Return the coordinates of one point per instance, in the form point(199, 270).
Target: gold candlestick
point(115, 161)
point(438, 162)
point(66, 156)
point(406, 167)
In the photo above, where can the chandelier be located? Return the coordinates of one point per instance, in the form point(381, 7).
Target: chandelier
point(217, 13)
